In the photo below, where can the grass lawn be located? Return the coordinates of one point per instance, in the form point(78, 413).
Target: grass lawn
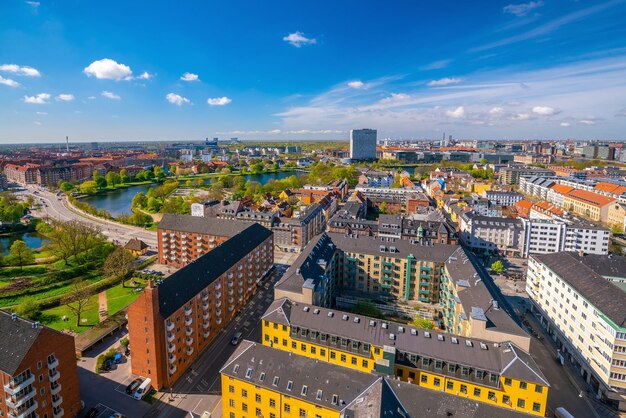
point(25, 271)
point(119, 297)
point(52, 317)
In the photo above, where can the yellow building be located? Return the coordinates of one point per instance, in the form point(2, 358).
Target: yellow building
point(500, 374)
point(480, 188)
point(588, 204)
point(616, 215)
point(136, 247)
point(259, 381)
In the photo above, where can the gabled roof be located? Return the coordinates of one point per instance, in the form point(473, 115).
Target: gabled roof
point(590, 197)
point(16, 338)
point(135, 244)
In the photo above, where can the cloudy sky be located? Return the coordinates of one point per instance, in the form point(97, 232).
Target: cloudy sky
point(105, 71)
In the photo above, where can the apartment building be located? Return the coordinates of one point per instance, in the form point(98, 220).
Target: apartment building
point(38, 371)
point(262, 381)
point(512, 175)
point(616, 215)
point(293, 234)
point(376, 179)
point(175, 319)
point(544, 236)
point(500, 374)
point(588, 204)
point(482, 233)
point(581, 301)
point(184, 238)
point(503, 198)
point(340, 270)
point(21, 174)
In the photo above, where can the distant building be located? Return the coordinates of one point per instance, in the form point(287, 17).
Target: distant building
point(363, 144)
point(38, 370)
point(512, 175)
point(503, 198)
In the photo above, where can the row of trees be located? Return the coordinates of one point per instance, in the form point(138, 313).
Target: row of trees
point(112, 179)
point(74, 239)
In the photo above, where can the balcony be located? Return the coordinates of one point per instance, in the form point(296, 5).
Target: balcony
point(230, 292)
point(171, 358)
point(424, 276)
point(13, 388)
point(218, 295)
point(218, 312)
point(218, 286)
point(385, 286)
point(387, 279)
point(170, 337)
point(15, 402)
point(55, 389)
point(54, 375)
point(218, 321)
point(57, 401)
point(188, 310)
point(231, 284)
point(53, 364)
point(169, 326)
point(230, 308)
point(205, 297)
point(205, 306)
point(171, 348)
point(206, 333)
point(205, 325)
point(172, 369)
point(26, 412)
point(205, 315)
point(188, 321)
point(387, 271)
point(218, 304)
point(189, 340)
point(58, 413)
point(231, 300)
point(189, 351)
point(188, 331)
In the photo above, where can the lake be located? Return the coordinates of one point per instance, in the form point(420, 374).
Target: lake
point(32, 239)
point(119, 201)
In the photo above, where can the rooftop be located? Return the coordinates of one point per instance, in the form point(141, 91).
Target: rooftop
point(201, 225)
point(590, 197)
point(16, 338)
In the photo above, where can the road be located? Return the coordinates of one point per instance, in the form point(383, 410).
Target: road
point(199, 388)
point(60, 209)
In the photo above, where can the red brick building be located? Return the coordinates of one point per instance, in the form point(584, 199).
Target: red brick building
point(172, 322)
point(38, 371)
point(184, 238)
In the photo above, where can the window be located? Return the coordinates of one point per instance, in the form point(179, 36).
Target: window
point(365, 364)
point(304, 391)
point(303, 347)
point(231, 402)
point(343, 358)
point(438, 364)
point(437, 381)
point(521, 403)
point(287, 408)
point(538, 388)
point(302, 413)
point(318, 396)
point(335, 399)
point(275, 382)
point(491, 396)
point(258, 412)
point(479, 374)
point(353, 360)
point(294, 345)
point(322, 352)
point(476, 392)
point(289, 385)
point(463, 389)
point(244, 407)
point(451, 368)
point(272, 403)
point(257, 398)
point(450, 385)
point(313, 350)
point(231, 389)
point(272, 415)
point(536, 407)
point(244, 393)
point(464, 371)
point(507, 381)
point(284, 342)
point(333, 355)
point(506, 399)
point(424, 378)
point(523, 385)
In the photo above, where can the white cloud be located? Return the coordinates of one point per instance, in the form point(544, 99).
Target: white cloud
point(522, 9)
point(444, 81)
point(9, 82)
point(110, 95)
point(37, 123)
point(34, 4)
point(356, 84)
point(545, 110)
point(42, 113)
point(565, 124)
point(190, 77)
point(92, 97)
point(20, 70)
point(65, 97)
point(281, 132)
point(218, 101)
point(298, 39)
point(496, 111)
point(395, 98)
point(457, 113)
point(108, 69)
point(41, 98)
point(436, 65)
point(588, 122)
point(177, 99)
point(145, 76)
point(521, 116)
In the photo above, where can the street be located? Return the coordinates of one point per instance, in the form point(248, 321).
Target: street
point(57, 207)
point(198, 389)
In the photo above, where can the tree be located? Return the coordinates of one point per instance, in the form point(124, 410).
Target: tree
point(77, 299)
point(139, 200)
point(159, 174)
point(367, 308)
point(20, 254)
point(29, 308)
point(123, 176)
point(88, 187)
point(420, 322)
point(119, 264)
point(66, 186)
point(154, 204)
point(100, 181)
point(112, 179)
point(498, 267)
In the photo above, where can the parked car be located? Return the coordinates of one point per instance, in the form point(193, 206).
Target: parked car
point(132, 386)
point(236, 338)
point(143, 389)
point(118, 358)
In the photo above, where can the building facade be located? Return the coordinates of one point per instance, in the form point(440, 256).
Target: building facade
point(38, 370)
point(363, 144)
point(174, 320)
point(588, 204)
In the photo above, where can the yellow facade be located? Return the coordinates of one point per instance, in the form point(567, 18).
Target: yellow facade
point(241, 399)
point(589, 210)
point(507, 393)
point(480, 188)
point(617, 215)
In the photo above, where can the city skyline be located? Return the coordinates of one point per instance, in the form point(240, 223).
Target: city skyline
point(537, 69)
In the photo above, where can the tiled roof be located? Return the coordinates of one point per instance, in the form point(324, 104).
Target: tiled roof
point(590, 197)
point(561, 188)
point(16, 339)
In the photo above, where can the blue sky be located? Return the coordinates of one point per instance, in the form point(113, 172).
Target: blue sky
point(104, 71)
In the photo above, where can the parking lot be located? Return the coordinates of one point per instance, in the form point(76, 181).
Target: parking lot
point(104, 411)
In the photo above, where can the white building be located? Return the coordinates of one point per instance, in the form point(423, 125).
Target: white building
point(503, 198)
point(581, 303)
point(482, 233)
point(543, 236)
point(363, 144)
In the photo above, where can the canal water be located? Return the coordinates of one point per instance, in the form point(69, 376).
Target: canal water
point(32, 239)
